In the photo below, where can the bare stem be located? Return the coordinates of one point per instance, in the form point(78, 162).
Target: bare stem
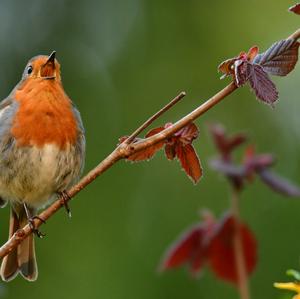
point(122, 151)
point(148, 122)
point(295, 35)
point(238, 248)
point(218, 97)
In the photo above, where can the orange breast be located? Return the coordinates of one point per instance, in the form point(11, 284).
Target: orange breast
point(44, 116)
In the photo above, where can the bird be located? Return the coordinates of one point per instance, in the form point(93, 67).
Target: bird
point(42, 153)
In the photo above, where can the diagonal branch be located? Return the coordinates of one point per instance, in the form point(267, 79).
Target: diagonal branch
point(122, 151)
point(148, 122)
point(295, 35)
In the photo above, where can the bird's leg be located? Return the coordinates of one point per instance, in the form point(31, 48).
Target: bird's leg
point(31, 222)
point(65, 198)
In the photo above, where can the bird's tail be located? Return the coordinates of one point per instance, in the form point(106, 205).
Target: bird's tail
point(22, 259)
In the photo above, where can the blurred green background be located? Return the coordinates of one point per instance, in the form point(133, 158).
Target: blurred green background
point(121, 61)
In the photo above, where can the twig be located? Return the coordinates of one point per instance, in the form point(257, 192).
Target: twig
point(238, 248)
point(295, 35)
point(148, 122)
point(122, 151)
point(185, 120)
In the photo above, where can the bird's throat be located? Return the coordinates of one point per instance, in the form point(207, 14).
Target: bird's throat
point(44, 116)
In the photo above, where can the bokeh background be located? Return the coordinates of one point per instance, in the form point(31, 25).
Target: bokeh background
point(121, 61)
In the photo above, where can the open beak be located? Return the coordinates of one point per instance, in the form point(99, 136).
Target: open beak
point(48, 69)
point(51, 57)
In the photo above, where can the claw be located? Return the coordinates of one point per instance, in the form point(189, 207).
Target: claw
point(65, 198)
point(31, 222)
point(37, 232)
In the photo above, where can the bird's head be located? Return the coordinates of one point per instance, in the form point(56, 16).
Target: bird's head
point(43, 67)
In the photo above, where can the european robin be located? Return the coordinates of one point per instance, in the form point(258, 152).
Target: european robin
point(42, 148)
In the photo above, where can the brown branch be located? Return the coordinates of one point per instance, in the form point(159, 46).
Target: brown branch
point(148, 122)
point(185, 120)
point(295, 35)
point(122, 151)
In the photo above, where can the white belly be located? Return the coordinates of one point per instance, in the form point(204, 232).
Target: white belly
point(34, 175)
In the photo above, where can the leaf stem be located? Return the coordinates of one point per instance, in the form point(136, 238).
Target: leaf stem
point(238, 248)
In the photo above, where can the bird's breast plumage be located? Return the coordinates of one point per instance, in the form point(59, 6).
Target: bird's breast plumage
point(45, 115)
point(42, 144)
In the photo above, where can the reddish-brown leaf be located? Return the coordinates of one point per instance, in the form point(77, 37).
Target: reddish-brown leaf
point(170, 151)
point(189, 160)
point(154, 131)
point(279, 184)
point(227, 67)
point(191, 247)
point(235, 141)
point(295, 9)
point(265, 90)
point(254, 162)
point(187, 134)
point(241, 72)
point(221, 250)
point(253, 51)
point(145, 154)
point(225, 144)
point(149, 152)
point(280, 58)
point(184, 249)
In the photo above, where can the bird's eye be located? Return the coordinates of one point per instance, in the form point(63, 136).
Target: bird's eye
point(29, 70)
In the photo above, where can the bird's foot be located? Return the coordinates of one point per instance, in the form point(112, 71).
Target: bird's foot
point(37, 232)
point(65, 197)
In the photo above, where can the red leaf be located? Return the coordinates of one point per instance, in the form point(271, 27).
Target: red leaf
point(154, 131)
point(184, 249)
point(221, 250)
point(241, 72)
point(235, 141)
point(180, 146)
point(265, 90)
point(170, 151)
point(295, 9)
point(227, 67)
point(187, 134)
point(145, 154)
point(149, 152)
point(225, 144)
point(254, 162)
point(252, 53)
point(219, 137)
point(189, 160)
point(191, 247)
point(278, 183)
point(280, 58)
